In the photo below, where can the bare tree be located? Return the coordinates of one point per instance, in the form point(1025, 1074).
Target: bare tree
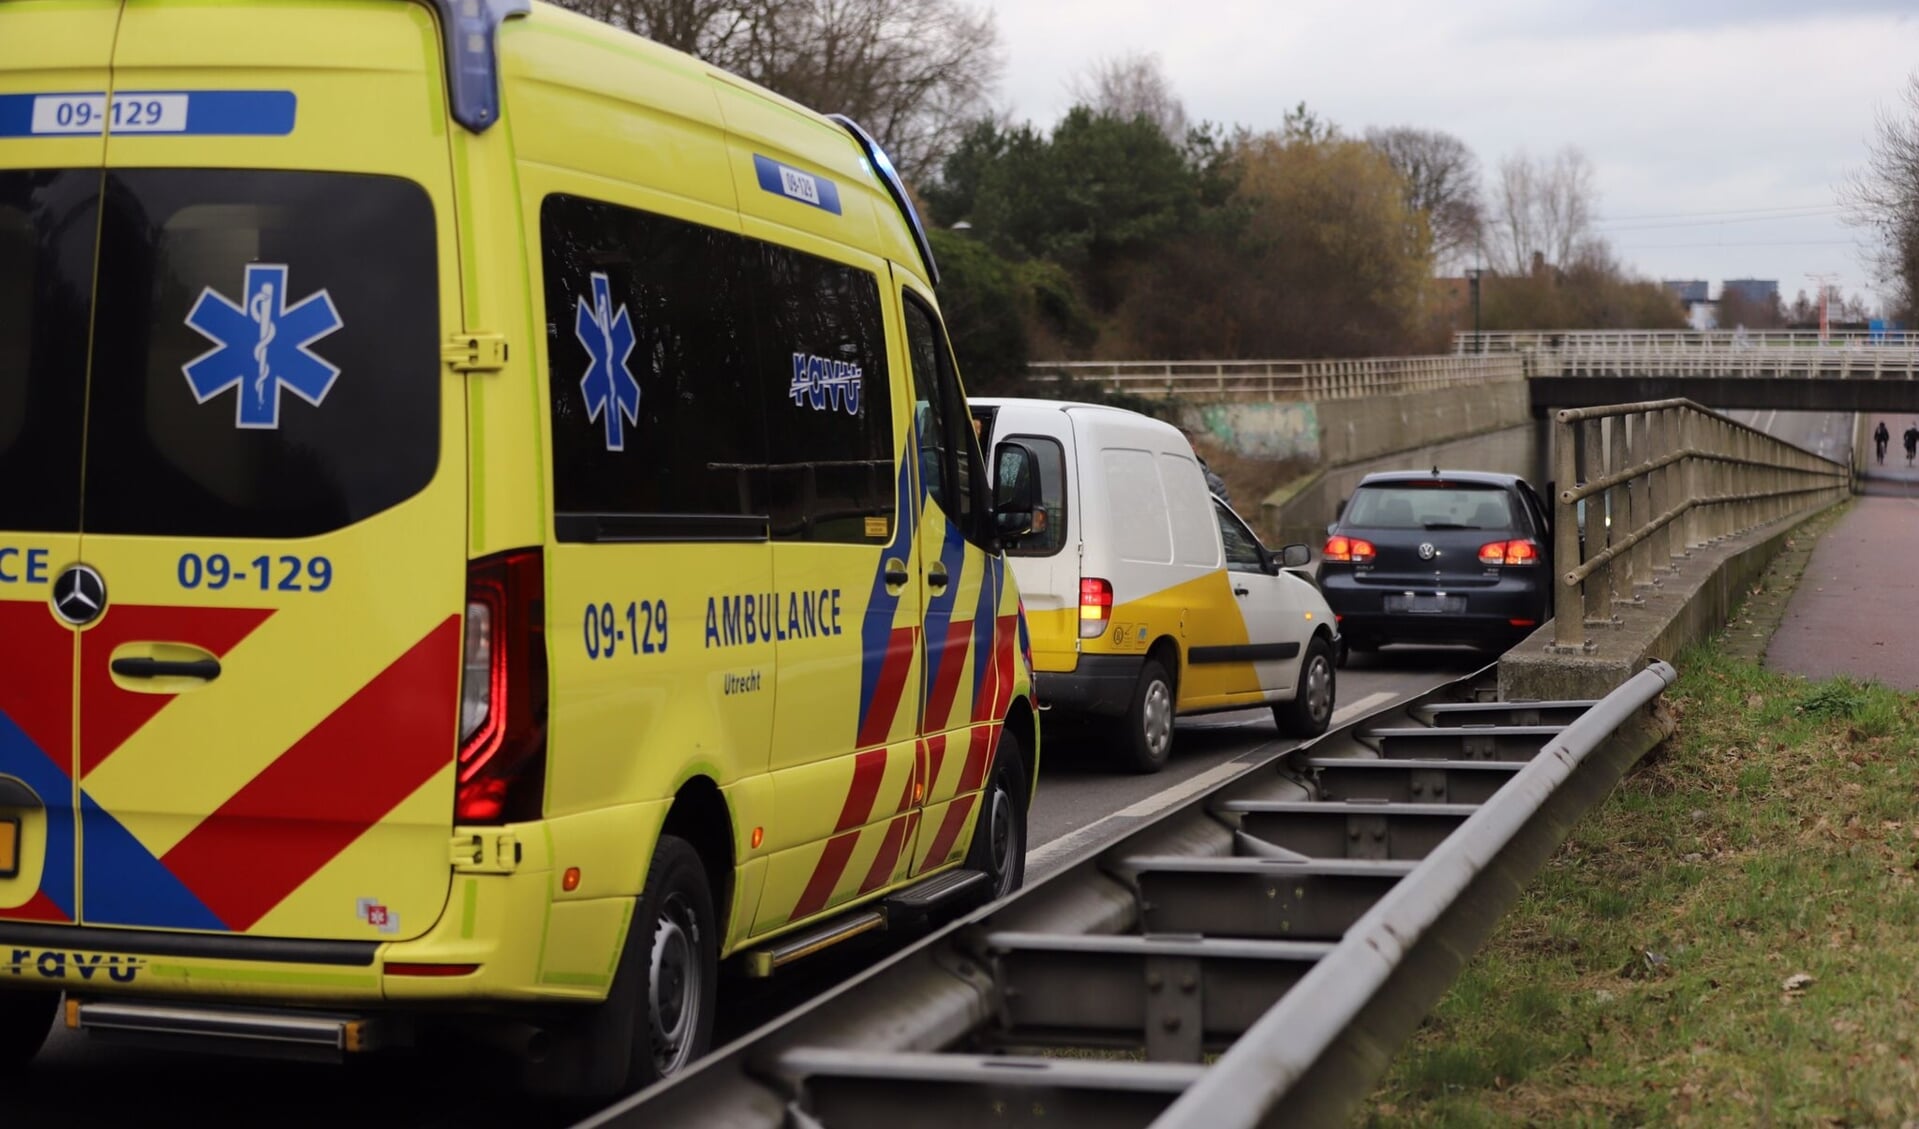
point(1884, 198)
point(1442, 181)
point(1132, 85)
point(1542, 211)
point(915, 73)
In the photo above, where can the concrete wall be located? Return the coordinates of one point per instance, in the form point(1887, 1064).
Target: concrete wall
point(1337, 432)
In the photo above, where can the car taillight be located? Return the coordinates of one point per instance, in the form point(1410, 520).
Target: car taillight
point(1520, 552)
point(502, 767)
point(1095, 606)
point(1352, 550)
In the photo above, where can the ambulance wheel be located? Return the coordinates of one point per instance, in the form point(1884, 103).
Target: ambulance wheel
point(1311, 710)
point(999, 838)
point(26, 1019)
point(658, 1015)
point(1149, 719)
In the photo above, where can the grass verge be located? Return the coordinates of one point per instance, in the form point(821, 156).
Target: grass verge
point(1731, 939)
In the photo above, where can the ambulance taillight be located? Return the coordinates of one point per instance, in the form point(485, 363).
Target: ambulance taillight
point(503, 691)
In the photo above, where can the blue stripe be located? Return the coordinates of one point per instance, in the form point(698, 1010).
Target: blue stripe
point(210, 113)
point(984, 620)
point(126, 885)
point(939, 610)
point(882, 606)
point(797, 185)
point(22, 759)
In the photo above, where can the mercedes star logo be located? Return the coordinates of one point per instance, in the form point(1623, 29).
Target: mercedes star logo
point(79, 595)
point(1426, 551)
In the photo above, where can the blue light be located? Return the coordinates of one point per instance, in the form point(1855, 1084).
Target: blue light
point(894, 188)
point(469, 31)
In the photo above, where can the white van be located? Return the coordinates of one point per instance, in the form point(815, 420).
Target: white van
point(1146, 597)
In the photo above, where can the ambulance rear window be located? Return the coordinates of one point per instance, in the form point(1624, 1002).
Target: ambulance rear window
point(47, 224)
point(266, 352)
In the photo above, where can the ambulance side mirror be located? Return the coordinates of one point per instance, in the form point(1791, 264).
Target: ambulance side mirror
point(1015, 490)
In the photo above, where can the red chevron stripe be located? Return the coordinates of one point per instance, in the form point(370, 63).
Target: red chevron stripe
point(935, 759)
point(826, 875)
point(939, 705)
point(869, 768)
point(888, 859)
point(949, 830)
point(38, 908)
point(334, 784)
point(979, 755)
point(878, 722)
point(36, 678)
point(112, 715)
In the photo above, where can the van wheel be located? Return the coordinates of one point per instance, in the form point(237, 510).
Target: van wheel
point(26, 1019)
point(999, 838)
point(658, 1016)
point(1311, 710)
point(1149, 719)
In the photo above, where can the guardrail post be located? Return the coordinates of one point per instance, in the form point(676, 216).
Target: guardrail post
point(1659, 494)
point(1692, 480)
point(1569, 629)
point(1599, 585)
point(1619, 505)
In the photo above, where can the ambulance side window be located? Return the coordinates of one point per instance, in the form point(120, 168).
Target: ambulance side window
point(47, 225)
point(658, 432)
point(950, 462)
point(828, 401)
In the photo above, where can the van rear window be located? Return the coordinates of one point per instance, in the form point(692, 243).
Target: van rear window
point(47, 225)
point(266, 352)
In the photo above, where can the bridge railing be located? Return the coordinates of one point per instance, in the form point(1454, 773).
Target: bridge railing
point(1639, 486)
point(1466, 342)
point(1285, 380)
point(1711, 353)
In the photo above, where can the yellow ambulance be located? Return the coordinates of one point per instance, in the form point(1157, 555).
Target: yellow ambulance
point(490, 528)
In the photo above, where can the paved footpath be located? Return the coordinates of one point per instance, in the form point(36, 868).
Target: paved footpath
point(1856, 610)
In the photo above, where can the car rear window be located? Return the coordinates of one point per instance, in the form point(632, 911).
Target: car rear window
point(47, 225)
point(1449, 506)
point(265, 354)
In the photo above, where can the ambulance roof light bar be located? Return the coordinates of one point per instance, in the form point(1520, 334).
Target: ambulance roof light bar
point(469, 31)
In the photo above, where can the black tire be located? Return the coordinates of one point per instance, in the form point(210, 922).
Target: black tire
point(26, 1019)
point(1147, 730)
point(1311, 710)
point(632, 1040)
point(999, 835)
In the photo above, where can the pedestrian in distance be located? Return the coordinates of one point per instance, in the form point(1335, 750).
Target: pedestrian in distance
point(1912, 441)
point(1880, 437)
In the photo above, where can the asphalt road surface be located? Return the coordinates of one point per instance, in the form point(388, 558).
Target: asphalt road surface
point(1083, 802)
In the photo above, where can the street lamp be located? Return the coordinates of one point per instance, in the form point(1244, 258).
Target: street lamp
point(1473, 275)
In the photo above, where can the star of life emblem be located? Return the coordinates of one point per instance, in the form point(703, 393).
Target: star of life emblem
point(261, 346)
point(612, 394)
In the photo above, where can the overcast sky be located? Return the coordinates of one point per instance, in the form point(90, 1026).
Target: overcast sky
point(1753, 107)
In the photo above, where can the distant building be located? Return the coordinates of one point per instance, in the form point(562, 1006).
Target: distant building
point(1762, 292)
point(1690, 292)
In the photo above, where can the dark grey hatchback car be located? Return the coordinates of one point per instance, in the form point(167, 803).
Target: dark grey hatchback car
point(1439, 557)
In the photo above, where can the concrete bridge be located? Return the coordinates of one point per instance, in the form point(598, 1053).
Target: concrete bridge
point(1725, 370)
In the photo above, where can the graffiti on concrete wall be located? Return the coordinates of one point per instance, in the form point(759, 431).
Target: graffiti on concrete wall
point(1260, 431)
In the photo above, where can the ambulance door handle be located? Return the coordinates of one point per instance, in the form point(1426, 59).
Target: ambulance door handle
point(896, 576)
point(936, 576)
point(204, 669)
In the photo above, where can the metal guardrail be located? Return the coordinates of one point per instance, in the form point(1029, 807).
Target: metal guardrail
point(1640, 485)
point(1300, 917)
point(1285, 380)
point(1710, 353)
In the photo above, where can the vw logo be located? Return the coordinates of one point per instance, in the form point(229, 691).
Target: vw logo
point(1426, 551)
point(79, 595)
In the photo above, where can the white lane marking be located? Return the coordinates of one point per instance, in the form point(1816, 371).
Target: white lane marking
point(1076, 840)
point(1772, 417)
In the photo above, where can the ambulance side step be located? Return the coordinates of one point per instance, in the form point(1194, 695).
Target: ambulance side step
point(254, 1032)
point(908, 907)
point(794, 946)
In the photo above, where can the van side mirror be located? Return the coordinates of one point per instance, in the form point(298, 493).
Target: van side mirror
point(1297, 555)
point(1015, 490)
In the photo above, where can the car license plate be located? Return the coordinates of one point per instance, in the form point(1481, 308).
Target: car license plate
point(9, 848)
point(1426, 605)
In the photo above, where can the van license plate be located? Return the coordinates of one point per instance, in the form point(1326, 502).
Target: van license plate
point(9, 848)
point(1426, 605)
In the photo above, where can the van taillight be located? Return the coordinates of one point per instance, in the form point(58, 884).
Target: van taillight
point(502, 768)
point(1095, 606)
